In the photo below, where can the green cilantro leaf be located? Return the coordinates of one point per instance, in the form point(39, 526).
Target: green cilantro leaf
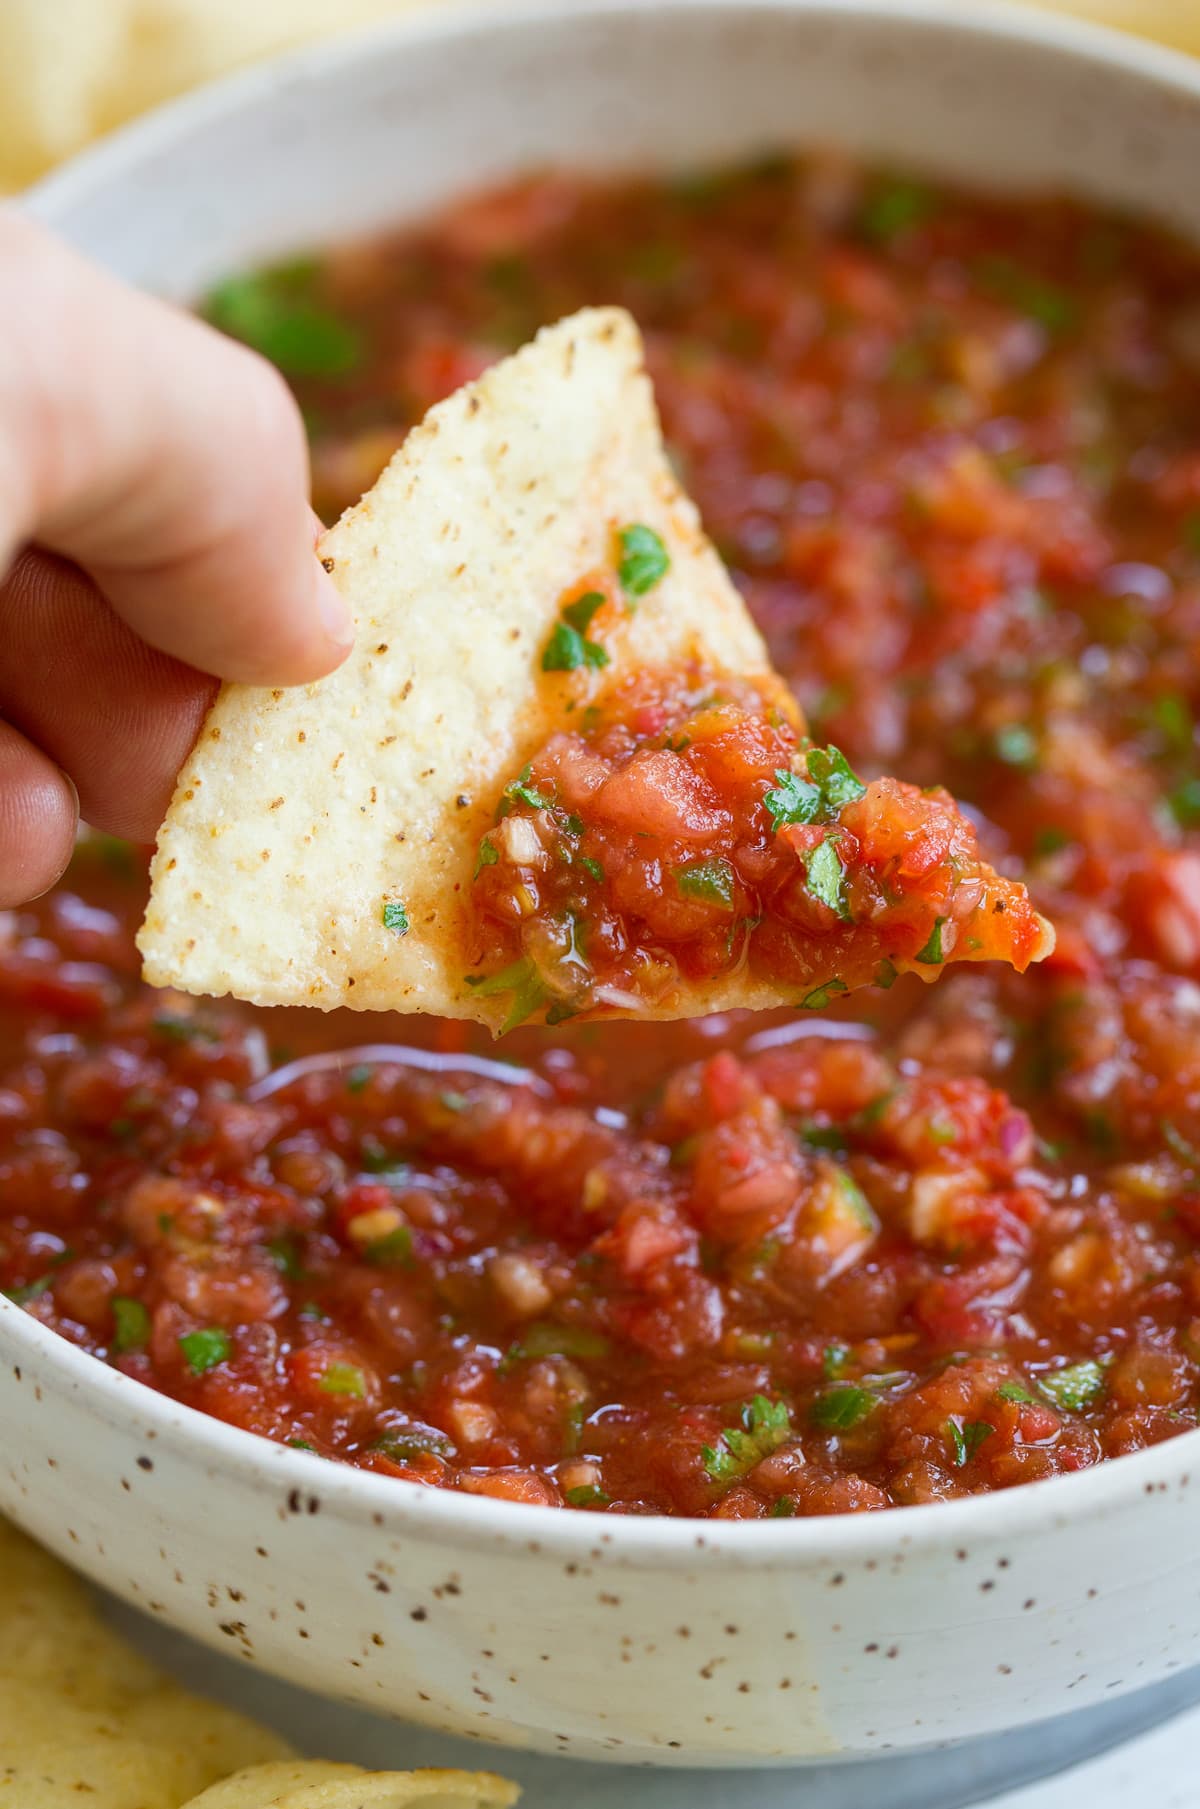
point(766, 1425)
point(487, 857)
point(894, 208)
point(709, 881)
point(833, 1360)
point(270, 312)
point(567, 650)
point(592, 867)
point(523, 981)
point(205, 1349)
point(587, 1496)
point(792, 800)
point(965, 1437)
point(1184, 803)
point(643, 561)
point(579, 614)
point(932, 954)
point(820, 996)
point(523, 792)
point(131, 1324)
point(1075, 1386)
point(284, 1252)
point(824, 876)
point(838, 1409)
point(392, 1250)
point(343, 1378)
point(1014, 1391)
point(395, 917)
point(831, 771)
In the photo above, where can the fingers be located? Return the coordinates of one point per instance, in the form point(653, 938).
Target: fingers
point(116, 715)
point(38, 815)
point(167, 461)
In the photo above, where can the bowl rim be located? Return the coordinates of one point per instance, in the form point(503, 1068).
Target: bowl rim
point(390, 1505)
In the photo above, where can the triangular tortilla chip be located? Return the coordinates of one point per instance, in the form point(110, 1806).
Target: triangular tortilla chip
point(322, 843)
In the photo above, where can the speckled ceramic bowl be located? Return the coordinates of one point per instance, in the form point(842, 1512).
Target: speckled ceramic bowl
point(666, 1641)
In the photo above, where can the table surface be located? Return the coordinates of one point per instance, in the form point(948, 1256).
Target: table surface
point(1144, 1743)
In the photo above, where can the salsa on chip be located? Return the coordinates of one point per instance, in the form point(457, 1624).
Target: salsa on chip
point(558, 775)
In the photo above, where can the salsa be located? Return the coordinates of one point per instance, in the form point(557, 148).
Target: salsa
point(688, 830)
point(919, 1244)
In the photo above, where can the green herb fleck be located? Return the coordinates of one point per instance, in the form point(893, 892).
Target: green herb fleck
point(580, 613)
point(131, 1324)
point(838, 1409)
point(1050, 840)
point(592, 867)
point(965, 1437)
point(1016, 745)
point(343, 1378)
point(392, 1250)
point(1015, 1392)
point(32, 1290)
point(896, 208)
point(766, 1425)
point(1184, 803)
point(522, 980)
point(567, 650)
point(833, 1360)
point(643, 560)
point(395, 917)
point(710, 881)
point(824, 876)
point(1074, 1387)
point(820, 996)
point(358, 1077)
point(203, 1350)
point(587, 1496)
point(300, 1444)
point(488, 856)
point(932, 953)
point(784, 1509)
point(284, 1252)
point(524, 793)
point(544, 1339)
point(177, 1028)
point(270, 312)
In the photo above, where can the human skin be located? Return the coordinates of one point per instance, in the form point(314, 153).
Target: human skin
point(155, 537)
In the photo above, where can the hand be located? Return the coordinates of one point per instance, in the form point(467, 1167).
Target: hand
point(156, 475)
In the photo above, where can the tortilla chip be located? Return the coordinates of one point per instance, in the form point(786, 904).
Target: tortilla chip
point(302, 814)
point(313, 1784)
point(84, 1718)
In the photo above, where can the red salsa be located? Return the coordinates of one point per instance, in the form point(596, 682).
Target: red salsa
point(687, 831)
point(923, 1243)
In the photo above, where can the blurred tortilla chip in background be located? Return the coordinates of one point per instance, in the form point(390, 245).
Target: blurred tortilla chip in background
point(70, 69)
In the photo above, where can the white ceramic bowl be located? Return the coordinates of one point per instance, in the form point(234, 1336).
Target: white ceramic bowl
point(666, 1641)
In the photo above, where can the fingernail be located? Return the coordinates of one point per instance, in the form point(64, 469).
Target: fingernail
point(334, 611)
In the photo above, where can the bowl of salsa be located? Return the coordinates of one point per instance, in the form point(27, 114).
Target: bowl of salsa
point(823, 1378)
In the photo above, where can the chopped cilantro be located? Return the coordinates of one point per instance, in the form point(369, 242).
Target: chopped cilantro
point(1184, 803)
point(579, 614)
point(395, 917)
point(271, 312)
point(965, 1437)
point(284, 1252)
point(766, 1425)
point(543, 1339)
point(522, 980)
point(1031, 294)
point(177, 1028)
point(819, 997)
point(886, 974)
point(358, 1077)
point(1074, 1387)
point(567, 650)
point(1014, 1391)
point(1016, 745)
point(784, 1509)
point(131, 1323)
point(592, 867)
point(823, 878)
point(709, 881)
point(300, 1444)
point(392, 1250)
point(203, 1350)
point(832, 783)
point(403, 1443)
point(31, 1291)
point(833, 1360)
point(488, 856)
point(838, 1409)
point(524, 793)
point(894, 208)
point(932, 953)
point(1050, 840)
point(643, 560)
point(587, 1496)
point(1170, 715)
point(343, 1378)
